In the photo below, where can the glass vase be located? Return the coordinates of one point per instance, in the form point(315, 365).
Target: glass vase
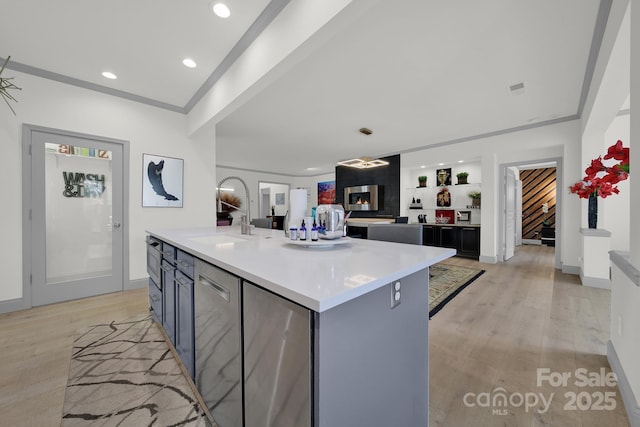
point(592, 214)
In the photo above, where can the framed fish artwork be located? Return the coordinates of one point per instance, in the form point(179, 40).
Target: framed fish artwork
point(162, 181)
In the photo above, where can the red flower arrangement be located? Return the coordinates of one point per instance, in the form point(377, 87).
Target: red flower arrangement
point(606, 185)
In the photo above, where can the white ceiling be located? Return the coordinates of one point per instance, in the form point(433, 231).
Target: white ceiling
point(142, 41)
point(423, 73)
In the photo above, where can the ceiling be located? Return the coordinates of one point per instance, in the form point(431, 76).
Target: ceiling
point(425, 73)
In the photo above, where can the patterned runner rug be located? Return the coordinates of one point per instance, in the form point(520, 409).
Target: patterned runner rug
point(123, 374)
point(446, 281)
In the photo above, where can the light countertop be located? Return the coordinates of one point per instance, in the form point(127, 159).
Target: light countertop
point(365, 222)
point(318, 278)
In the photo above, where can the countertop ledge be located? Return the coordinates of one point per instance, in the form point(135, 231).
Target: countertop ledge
point(621, 260)
point(316, 278)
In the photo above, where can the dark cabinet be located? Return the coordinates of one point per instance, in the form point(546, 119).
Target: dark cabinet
point(465, 240)
point(469, 242)
point(430, 235)
point(548, 236)
point(449, 237)
point(356, 231)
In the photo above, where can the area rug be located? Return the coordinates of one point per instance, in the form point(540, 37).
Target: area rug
point(446, 281)
point(123, 374)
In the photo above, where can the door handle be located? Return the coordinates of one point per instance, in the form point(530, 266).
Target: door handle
point(116, 224)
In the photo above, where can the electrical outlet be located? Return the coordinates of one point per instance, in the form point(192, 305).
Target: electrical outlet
point(395, 294)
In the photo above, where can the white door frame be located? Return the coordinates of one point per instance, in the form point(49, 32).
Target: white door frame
point(560, 191)
point(509, 231)
point(27, 174)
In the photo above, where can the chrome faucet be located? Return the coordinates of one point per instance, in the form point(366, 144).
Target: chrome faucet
point(245, 219)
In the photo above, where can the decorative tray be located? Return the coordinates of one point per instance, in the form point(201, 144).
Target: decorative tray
point(320, 243)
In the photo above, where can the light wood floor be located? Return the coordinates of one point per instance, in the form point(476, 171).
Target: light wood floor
point(517, 317)
point(35, 350)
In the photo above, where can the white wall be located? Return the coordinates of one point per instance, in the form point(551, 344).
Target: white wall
point(528, 146)
point(625, 318)
point(151, 130)
point(254, 178)
point(274, 189)
point(311, 185)
point(614, 211)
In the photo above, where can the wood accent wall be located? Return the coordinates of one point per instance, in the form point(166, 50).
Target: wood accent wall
point(538, 187)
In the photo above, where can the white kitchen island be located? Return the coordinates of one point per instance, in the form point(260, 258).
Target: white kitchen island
point(329, 336)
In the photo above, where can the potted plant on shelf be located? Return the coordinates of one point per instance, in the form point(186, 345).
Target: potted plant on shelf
point(475, 198)
point(462, 177)
point(422, 181)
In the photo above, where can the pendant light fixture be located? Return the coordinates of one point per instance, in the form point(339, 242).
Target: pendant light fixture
point(363, 163)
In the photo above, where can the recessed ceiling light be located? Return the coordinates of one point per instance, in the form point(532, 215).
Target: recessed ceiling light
point(188, 62)
point(460, 161)
point(221, 10)
point(109, 75)
point(422, 167)
point(311, 169)
point(440, 164)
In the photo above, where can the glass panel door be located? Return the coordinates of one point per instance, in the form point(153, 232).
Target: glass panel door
point(77, 214)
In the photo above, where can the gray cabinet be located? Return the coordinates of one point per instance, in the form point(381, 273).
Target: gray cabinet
point(154, 261)
point(168, 290)
point(169, 300)
point(155, 300)
point(185, 312)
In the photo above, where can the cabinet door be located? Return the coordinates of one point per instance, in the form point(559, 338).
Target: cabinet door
point(470, 241)
point(449, 237)
point(277, 360)
point(169, 300)
point(430, 235)
point(155, 300)
point(184, 322)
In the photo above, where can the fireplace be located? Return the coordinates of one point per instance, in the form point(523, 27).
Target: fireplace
point(361, 198)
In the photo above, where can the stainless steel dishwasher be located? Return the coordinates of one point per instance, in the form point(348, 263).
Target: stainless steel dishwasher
point(277, 360)
point(218, 343)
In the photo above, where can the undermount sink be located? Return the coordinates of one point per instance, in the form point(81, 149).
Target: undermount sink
point(218, 239)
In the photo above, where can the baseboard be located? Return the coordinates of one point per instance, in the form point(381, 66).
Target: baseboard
point(18, 304)
point(488, 259)
point(11, 305)
point(630, 402)
point(531, 242)
point(571, 269)
point(136, 284)
point(594, 282)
